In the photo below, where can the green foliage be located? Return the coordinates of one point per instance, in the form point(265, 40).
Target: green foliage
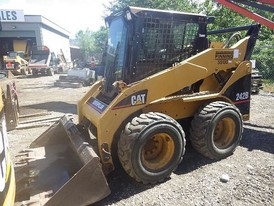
point(92, 43)
point(85, 42)
point(99, 38)
point(186, 5)
point(226, 18)
point(268, 85)
point(263, 54)
point(269, 82)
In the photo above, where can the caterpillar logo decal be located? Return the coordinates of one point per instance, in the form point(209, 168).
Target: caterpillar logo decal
point(138, 99)
point(135, 99)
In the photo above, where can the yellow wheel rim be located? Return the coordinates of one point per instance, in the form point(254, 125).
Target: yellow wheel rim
point(224, 133)
point(158, 151)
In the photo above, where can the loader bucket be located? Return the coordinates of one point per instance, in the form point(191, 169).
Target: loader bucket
point(60, 168)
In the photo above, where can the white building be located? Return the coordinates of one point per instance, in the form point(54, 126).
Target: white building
point(37, 29)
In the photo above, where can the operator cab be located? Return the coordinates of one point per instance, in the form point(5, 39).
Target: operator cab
point(142, 42)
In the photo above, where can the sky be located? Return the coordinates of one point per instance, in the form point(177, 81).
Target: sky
point(72, 15)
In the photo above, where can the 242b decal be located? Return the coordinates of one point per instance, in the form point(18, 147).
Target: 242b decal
point(242, 96)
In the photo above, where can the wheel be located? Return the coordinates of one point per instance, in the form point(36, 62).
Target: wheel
point(29, 71)
point(151, 147)
point(23, 71)
point(255, 90)
point(34, 73)
point(60, 70)
point(216, 130)
point(86, 83)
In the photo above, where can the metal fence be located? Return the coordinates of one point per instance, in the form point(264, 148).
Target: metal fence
point(265, 69)
point(264, 57)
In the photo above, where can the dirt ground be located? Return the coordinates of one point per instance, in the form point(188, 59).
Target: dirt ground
point(197, 180)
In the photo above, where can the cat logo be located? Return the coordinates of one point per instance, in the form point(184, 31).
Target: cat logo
point(135, 99)
point(138, 99)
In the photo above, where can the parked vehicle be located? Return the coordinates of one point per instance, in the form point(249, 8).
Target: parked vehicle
point(43, 61)
point(17, 60)
point(16, 63)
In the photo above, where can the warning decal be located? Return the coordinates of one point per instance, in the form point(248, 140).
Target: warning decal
point(224, 55)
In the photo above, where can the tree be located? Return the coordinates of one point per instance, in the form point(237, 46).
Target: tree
point(186, 5)
point(226, 18)
point(263, 55)
point(85, 42)
point(99, 39)
point(92, 43)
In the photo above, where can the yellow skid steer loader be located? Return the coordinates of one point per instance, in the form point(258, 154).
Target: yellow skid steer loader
point(161, 73)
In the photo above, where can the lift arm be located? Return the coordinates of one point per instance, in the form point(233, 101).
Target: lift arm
point(265, 5)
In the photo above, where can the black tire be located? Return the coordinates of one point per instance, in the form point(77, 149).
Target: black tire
point(255, 90)
point(151, 147)
point(34, 73)
point(50, 72)
point(216, 130)
point(23, 70)
point(29, 71)
point(86, 83)
point(60, 70)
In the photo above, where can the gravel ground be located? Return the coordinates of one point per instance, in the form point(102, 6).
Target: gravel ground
point(249, 172)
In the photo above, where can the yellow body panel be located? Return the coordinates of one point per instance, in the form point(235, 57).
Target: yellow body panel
point(202, 66)
point(7, 182)
point(20, 45)
point(10, 184)
point(1, 100)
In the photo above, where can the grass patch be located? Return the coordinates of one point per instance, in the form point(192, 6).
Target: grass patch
point(268, 85)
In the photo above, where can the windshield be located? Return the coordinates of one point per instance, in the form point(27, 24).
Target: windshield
point(13, 54)
point(116, 50)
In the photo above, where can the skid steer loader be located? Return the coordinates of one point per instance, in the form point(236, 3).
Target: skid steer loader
point(161, 71)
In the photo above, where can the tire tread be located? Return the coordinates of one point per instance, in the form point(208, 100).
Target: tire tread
point(129, 136)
